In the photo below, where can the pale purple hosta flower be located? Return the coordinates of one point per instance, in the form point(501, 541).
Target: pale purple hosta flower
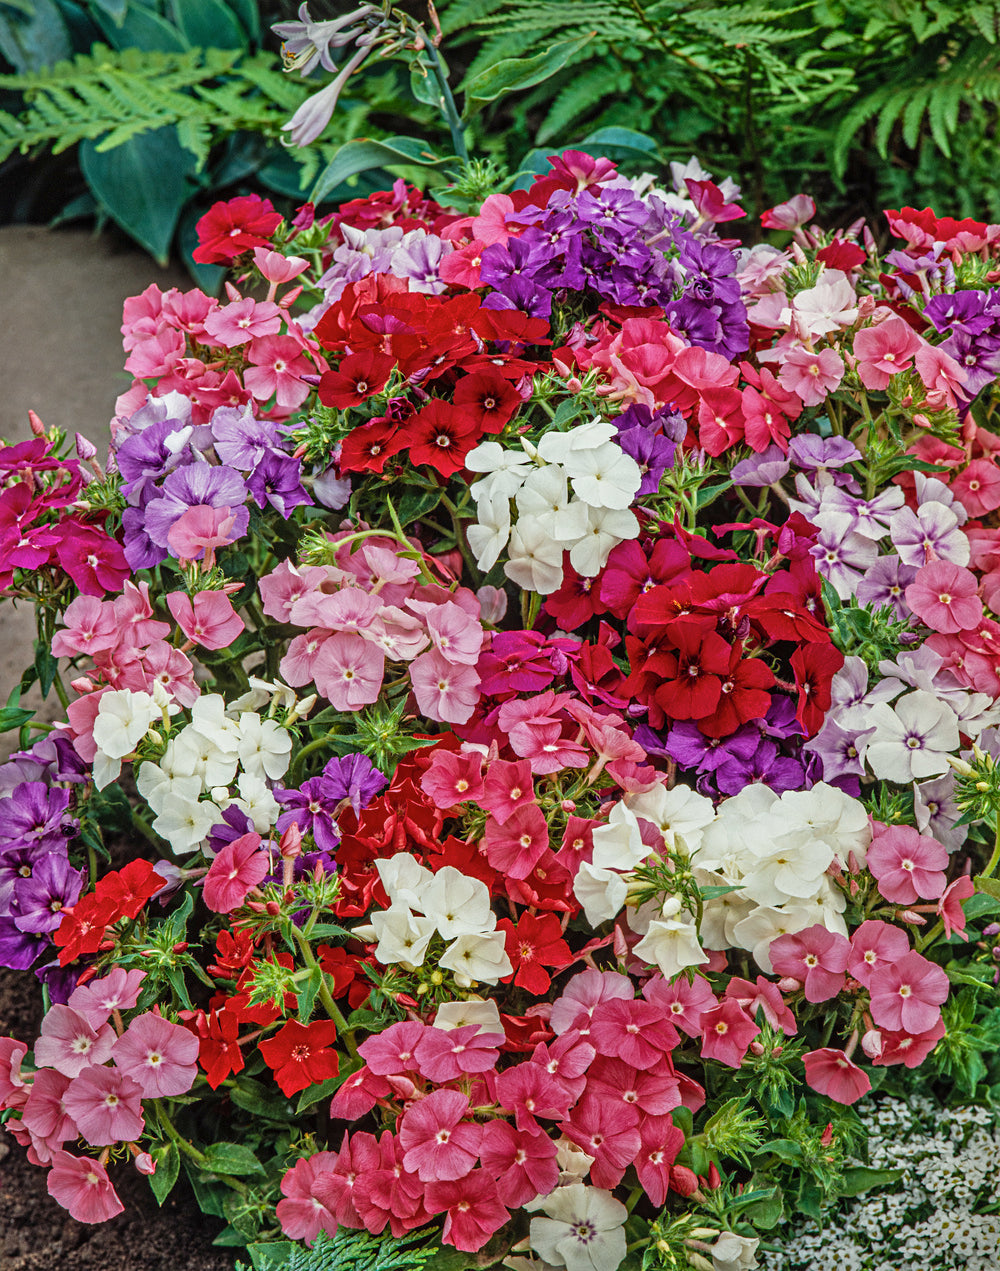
point(915, 738)
point(316, 112)
point(885, 583)
point(930, 533)
point(936, 811)
point(305, 43)
point(842, 558)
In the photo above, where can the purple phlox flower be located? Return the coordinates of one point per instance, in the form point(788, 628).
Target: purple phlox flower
point(822, 453)
point(766, 765)
point(34, 813)
point(671, 423)
point(147, 456)
point(57, 757)
point(930, 533)
point(842, 559)
point(418, 257)
point(654, 454)
point(234, 824)
point(710, 270)
point(516, 259)
point(762, 469)
point(780, 720)
point(313, 807)
point(615, 208)
point(18, 949)
point(275, 481)
point(355, 778)
point(523, 294)
point(197, 485)
point(690, 749)
point(17, 862)
point(885, 583)
point(41, 898)
point(140, 550)
point(241, 439)
point(841, 750)
point(933, 490)
point(963, 311)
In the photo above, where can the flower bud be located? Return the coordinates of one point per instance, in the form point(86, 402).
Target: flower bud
point(789, 984)
point(145, 1164)
point(35, 424)
point(290, 844)
point(871, 1043)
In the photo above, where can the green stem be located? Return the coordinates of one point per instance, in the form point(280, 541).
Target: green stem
point(329, 1005)
point(189, 1149)
point(450, 109)
point(926, 941)
point(296, 770)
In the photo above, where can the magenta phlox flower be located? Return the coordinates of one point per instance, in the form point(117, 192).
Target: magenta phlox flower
point(208, 618)
point(684, 1002)
point(389, 1193)
point(727, 1032)
point(472, 1208)
point(944, 596)
point(439, 1145)
point(334, 1185)
point(160, 1057)
point(522, 1161)
point(567, 1059)
point(661, 1141)
point(69, 1042)
point(875, 945)
point(82, 1186)
point(239, 867)
point(575, 1007)
point(448, 1054)
point(637, 1031)
point(816, 957)
point(907, 865)
point(394, 1049)
point(454, 778)
point(907, 994)
point(516, 847)
point(607, 1131)
point(301, 1214)
point(106, 1106)
point(831, 1073)
point(530, 1091)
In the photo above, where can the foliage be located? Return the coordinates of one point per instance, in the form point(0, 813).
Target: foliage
point(347, 1250)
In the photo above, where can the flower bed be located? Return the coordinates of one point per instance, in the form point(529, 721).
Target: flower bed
point(532, 691)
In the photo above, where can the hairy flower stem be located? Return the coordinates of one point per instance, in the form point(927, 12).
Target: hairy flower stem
point(189, 1149)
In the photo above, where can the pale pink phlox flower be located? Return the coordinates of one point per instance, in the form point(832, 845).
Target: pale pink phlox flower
point(457, 635)
point(82, 1186)
point(277, 267)
point(907, 995)
point(11, 1054)
point(301, 1214)
point(276, 370)
point(116, 991)
point(242, 321)
point(794, 212)
point(883, 350)
point(446, 692)
point(160, 1057)
point(944, 596)
point(208, 618)
point(70, 1042)
point(200, 530)
point(811, 376)
point(287, 583)
point(764, 996)
point(576, 1004)
point(106, 1106)
point(906, 864)
point(348, 670)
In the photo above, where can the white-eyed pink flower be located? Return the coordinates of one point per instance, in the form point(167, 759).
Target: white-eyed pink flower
point(106, 1106)
point(208, 618)
point(82, 1186)
point(438, 1144)
point(816, 957)
point(160, 1057)
point(907, 995)
point(944, 596)
point(473, 1210)
point(875, 945)
point(446, 691)
point(907, 865)
point(70, 1042)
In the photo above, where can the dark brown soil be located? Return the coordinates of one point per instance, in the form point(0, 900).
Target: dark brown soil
point(36, 1234)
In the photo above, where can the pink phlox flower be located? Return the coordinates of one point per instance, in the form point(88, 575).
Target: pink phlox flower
point(453, 778)
point(276, 370)
point(942, 376)
point(507, 787)
point(358, 1095)
point(816, 957)
point(727, 1032)
point(472, 1208)
point(660, 1143)
point(534, 729)
point(516, 847)
point(160, 1057)
point(69, 1042)
point(301, 1215)
point(605, 733)
point(388, 1193)
point(399, 634)
point(455, 633)
point(116, 991)
point(796, 211)
point(188, 310)
point(567, 1059)
point(348, 671)
point(875, 945)
point(907, 865)
point(763, 996)
point(944, 596)
point(652, 1093)
point(447, 1054)
point(334, 1185)
point(826, 307)
point(394, 1049)
point(884, 350)
point(89, 627)
point(490, 225)
point(106, 1106)
point(45, 1114)
point(977, 488)
point(12, 1052)
point(446, 692)
point(637, 1031)
point(522, 1161)
point(243, 320)
point(234, 873)
point(438, 1144)
point(156, 353)
point(950, 909)
point(299, 663)
point(909, 1049)
point(574, 1008)
point(133, 614)
point(831, 1073)
point(82, 1186)
point(530, 1091)
point(287, 583)
point(683, 1002)
point(346, 609)
point(162, 664)
point(609, 1132)
point(276, 267)
point(201, 529)
point(907, 995)
point(208, 618)
point(810, 376)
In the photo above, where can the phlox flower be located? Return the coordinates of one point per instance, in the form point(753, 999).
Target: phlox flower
point(653, 1092)
point(393, 1051)
point(516, 847)
point(457, 904)
point(672, 945)
point(534, 944)
point(445, 1055)
point(472, 1207)
point(908, 865)
point(531, 1091)
point(943, 595)
point(875, 945)
point(534, 558)
point(45, 1114)
point(478, 957)
point(347, 670)
point(907, 995)
point(522, 1161)
point(826, 307)
point(106, 1106)
point(816, 957)
point(11, 1054)
point(160, 1057)
point(299, 1054)
point(69, 1042)
point(884, 350)
point(661, 1141)
point(607, 1131)
point(334, 1187)
point(912, 738)
point(438, 1144)
point(276, 368)
point(82, 1186)
point(208, 618)
point(453, 778)
point(683, 1002)
point(950, 909)
point(727, 1032)
point(264, 746)
point(402, 936)
point(636, 1031)
point(238, 868)
point(583, 1229)
point(789, 215)
point(575, 1006)
point(301, 1215)
point(116, 991)
point(446, 691)
point(931, 532)
point(909, 1049)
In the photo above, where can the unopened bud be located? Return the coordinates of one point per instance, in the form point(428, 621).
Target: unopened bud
point(826, 1138)
point(290, 844)
point(290, 297)
point(85, 449)
point(35, 424)
point(568, 805)
point(145, 1164)
point(789, 984)
point(272, 908)
point(180, 947)
point(871, 1043)
point(756, 1048)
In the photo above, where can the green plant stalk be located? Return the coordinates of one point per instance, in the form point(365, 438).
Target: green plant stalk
point(450, 109)
point(329, 1005)
point(189, 1149)
point(924, 942)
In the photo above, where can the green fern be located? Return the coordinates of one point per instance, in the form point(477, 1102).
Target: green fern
point(356, 1251)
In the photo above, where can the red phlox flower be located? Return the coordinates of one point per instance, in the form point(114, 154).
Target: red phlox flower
point(720, 420)
point(334, 1186)
point(575, 602)
point(441, 435)
point(703, 661)
point(907, 864)
point(299, 1055)
point(531, 1091)
point(219, 1052)
point(842, 255)
point(234, 953)
point(609, 1132)
point(488, 398)
point(472, 1207)
point(231, 227)
point(831, 1073)
point(814, 666)
point(534, 944)
point(816, 957)
point(660, 1143)
point(523, 1162)
point(439, 1145)
point(300, 1212)
point(359, 376)
point(743, 695)
point(83, 928)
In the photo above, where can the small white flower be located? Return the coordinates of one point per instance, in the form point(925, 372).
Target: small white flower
point(186, 823)
point(606, 528)
point(123, 719)
point(672, 945)
point(490, 535)
point(257, 801)
point(402, 936)
point(459, 905)
point(618, 845)
point(265, 748)
point(535, 559)
point(404, 879)
point(602, 892)
point(479, 957)
point(584, 1228)
point(486, 1015)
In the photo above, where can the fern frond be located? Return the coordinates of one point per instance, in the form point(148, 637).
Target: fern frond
point(351, 1250)
point(580, 94)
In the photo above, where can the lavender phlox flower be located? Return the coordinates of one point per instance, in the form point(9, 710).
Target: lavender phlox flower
point(36, 814)
point(197, 484)
point(936, 811)
point(930, 489)
point(841, 750)
point(929, 533)
point(241, 439)
point(40, 898)
point(869, 517)
point(147, 456)
point(842, 557)
point(815, 454)
point(761, 469)
point(418, 257)
point(57, 758)
point(885, 583)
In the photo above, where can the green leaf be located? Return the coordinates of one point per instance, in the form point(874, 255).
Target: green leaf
point(208, 24)
point(168, 1166)
point(231, 1158)
point(268, 1257)
point(230, 1238)
point(35, 38)
point(980, 904)
point(254, 1096)
point(513, 74)
point(991, 886)
point(115, 9)
point(362, 154)
point(308, 993)
point(860, 1178)
point(783, 1149)
point(620, 144)
point(13, 717)
point(249, 16)
point(416, 502)
point(141, 29)
point(142, 185)
point(46, 665)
